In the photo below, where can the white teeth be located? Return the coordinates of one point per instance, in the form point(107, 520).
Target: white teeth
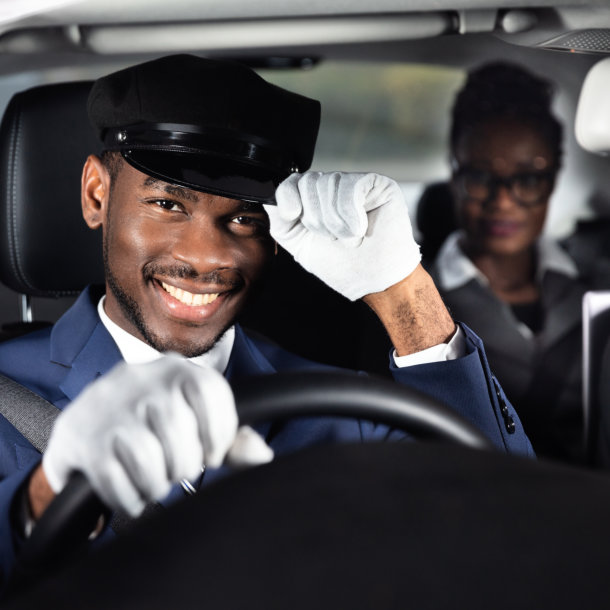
point(188, 298)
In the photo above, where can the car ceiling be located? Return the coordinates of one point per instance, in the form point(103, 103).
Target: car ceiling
point(37, 34)
point(139, 11)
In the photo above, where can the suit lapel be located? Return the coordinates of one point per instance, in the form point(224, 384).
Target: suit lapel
point(96, 358)
point(490, 319)
point(81, 344)
point(562, 302)
point(246, 359)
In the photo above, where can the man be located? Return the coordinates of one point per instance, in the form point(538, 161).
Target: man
point(194, 149)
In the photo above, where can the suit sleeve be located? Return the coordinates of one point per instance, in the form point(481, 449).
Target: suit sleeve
point(17, 460)
point(10, 488)
point(467, 386)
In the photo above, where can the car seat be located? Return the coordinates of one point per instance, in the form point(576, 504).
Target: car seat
point(435, 219)
point(46, 249)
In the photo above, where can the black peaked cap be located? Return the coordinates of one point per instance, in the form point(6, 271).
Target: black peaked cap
point(211, 125)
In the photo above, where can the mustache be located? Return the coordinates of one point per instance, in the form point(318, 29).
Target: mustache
point(185, 271)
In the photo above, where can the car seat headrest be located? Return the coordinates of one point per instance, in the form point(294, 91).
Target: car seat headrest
point(592, 125)
point(435, 218)
point(46, 249)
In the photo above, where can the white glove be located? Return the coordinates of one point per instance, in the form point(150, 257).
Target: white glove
point(140, 428)
point(351, 230)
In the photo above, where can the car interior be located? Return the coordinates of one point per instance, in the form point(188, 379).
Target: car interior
point(386, 75)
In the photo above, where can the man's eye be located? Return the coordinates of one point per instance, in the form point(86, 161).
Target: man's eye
point(243, 220)
point(167, 204)
point(249, 225)
point(249, 220)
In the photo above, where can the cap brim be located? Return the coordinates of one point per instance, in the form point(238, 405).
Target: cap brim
point(221, 176)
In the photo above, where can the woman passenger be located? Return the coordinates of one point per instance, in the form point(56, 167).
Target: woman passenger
point(516, 288)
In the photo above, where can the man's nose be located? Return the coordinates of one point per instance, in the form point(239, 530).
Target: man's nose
point(204, 247)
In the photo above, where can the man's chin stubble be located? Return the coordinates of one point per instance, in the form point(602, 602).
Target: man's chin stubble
point(188, 350)
point(132, 311)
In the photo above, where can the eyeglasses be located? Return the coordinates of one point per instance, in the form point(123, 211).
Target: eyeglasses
point(528, 189)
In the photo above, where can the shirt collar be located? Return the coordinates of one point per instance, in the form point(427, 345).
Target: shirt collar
point(135, 351)
point(552, 257)
point(455, 269)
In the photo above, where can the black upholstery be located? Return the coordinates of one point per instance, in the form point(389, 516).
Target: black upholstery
point(46, 249)
point(435, 219)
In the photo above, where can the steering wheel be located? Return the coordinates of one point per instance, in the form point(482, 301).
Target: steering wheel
point(73, 514)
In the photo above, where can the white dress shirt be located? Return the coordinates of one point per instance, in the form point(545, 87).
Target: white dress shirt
point(136, 351)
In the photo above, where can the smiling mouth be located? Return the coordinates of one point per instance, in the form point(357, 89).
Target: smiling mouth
point(189, 298)
point(502, 227)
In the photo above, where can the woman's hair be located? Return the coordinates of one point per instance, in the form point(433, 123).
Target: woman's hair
point(503, 90)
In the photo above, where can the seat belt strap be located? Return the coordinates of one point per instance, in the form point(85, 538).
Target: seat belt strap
point(29, 413)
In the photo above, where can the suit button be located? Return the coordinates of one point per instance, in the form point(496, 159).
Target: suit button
point(504, 409)
point(510, 425)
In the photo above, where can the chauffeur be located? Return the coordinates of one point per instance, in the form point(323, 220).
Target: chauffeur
point(203, 161)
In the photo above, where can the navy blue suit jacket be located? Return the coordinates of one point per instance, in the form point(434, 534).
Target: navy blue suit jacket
point(57, 363)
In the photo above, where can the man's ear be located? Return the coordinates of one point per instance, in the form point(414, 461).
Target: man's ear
point(95, 190)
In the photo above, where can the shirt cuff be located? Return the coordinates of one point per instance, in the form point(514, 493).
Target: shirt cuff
point(456, 348)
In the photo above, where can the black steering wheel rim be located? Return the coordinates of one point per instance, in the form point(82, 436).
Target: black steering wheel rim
point(282, 396)
point(73, 514)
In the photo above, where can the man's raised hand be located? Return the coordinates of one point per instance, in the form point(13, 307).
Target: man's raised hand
point(351, 230)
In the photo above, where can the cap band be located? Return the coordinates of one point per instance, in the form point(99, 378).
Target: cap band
point(209, 175)
point(223, 143)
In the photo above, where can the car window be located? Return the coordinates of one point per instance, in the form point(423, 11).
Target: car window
point(385, 117)
point(390, 118)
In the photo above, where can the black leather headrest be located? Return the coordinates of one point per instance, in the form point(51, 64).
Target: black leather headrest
point(46, 249)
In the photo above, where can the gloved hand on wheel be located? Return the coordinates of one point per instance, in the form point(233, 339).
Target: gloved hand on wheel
point(350, 230)
point(141, 428)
